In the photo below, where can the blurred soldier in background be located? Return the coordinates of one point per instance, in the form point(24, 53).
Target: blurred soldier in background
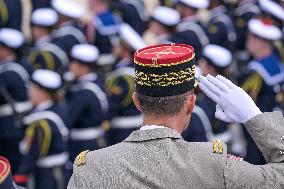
point(189, 28)
point(43, 21)
point(13, 97)
point(245, 11)
point(44, 146)
point(132, 12)
point(120, 84)
point(106, 25)
point(214, 60)
point(87, 102)
point(162, 27)
point(220, 28)
point(263, 75)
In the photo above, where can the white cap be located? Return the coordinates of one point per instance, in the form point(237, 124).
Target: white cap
point(11, 38)
point(166, 16)
point(44, 17)
point(85, 53)
point(68, 8)
point(197, 4)
point(47, 79)
point(218, 55)
point(272, 8)
point(131, 37)
point(264, 30)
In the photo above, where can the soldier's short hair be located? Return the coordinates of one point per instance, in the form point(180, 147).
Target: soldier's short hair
point(164, 106)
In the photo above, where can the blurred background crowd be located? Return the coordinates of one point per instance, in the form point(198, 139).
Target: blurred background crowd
point(67, 76)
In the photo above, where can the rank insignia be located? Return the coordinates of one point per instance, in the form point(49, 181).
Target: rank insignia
point(81, 158)
point(217, 147)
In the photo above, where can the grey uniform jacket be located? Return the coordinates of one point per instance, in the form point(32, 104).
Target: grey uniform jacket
point(160, 158)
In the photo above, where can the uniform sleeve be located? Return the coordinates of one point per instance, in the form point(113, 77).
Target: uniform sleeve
point(240, 174)
point(36, 144)
point(267, 131)
point(76, 106)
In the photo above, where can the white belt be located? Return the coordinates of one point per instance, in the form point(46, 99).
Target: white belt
point(86, 134)
point(20, 107)
point(127, 122)
point(53, 160)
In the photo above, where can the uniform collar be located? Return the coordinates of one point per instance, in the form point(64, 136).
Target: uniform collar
point(218, 10)
point(152, 134)
point(123, 63)
point(88, 77)
point(192, 18)
point(44, 105)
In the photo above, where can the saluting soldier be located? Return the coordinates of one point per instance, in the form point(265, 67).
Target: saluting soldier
point(124, 116)
point(44, 146)
point(87, 101)
point(189, 29)
point(14, 80)
point(156, 156)
point(220, 28)
point(69, 32)
point(264, 73)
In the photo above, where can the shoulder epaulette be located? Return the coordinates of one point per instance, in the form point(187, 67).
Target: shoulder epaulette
point(81, 158)
point(217, 147)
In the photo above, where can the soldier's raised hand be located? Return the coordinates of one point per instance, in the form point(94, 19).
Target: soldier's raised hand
point(233, 103)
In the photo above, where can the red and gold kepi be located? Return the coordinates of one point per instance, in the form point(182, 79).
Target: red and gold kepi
point(164, 70)
point(6, 180)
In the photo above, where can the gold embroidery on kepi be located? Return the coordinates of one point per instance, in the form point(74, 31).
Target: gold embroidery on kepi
point(81, 158)
point(164, 70)
point(166, 79)
point(217, 147)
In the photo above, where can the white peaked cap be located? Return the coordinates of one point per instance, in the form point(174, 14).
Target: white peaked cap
point(68, 8)
point(197, 4)
point(131, 37)
point(219, 56)
point(47, 79)
point(264, 30)
point(11, 38)
point(44, 17)
point(85, 53)
point(272, 8)
point(166, 16)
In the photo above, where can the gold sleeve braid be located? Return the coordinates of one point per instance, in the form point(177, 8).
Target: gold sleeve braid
point(49, 60)
point(46, 137)
point(253, 85)
point(114, 89)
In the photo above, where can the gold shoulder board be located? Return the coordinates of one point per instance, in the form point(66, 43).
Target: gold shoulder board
point(217, 147)
point(81, 158)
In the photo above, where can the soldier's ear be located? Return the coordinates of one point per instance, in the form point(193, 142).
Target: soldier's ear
point(190, 103)
point(136, 101)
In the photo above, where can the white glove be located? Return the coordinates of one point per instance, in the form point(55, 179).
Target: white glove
point(233, 103)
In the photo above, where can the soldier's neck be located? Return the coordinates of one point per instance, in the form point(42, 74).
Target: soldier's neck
point(174, 122)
